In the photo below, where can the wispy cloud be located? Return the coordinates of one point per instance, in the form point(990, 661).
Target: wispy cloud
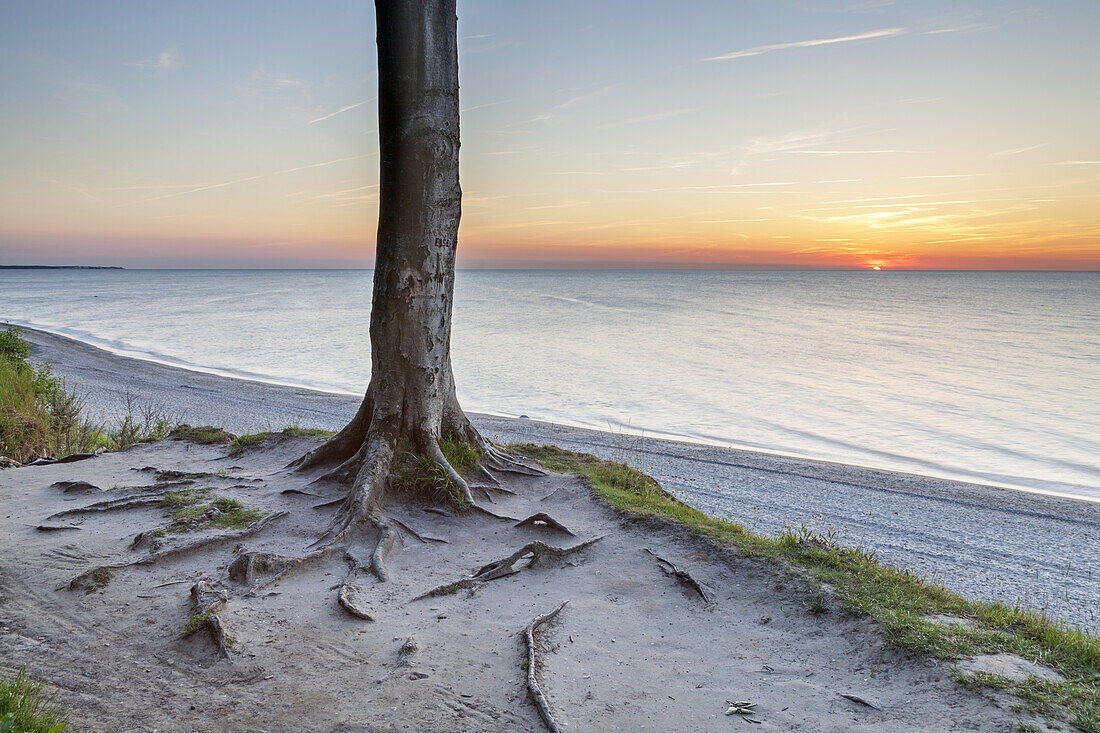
point(834, 153)
point(1017, 151)
point(969, 27)
point(483, 106)
point(235, 181)
point(574, 101)
point(646, 118)
point(1078, 162)
point(167, 59)
point(948, 175)
point(757, 50)
point(263, 83)
point(340, 111)
point(793, 141)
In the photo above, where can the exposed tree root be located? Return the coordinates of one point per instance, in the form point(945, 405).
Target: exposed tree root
point(387, 537)
point(55, 528)
point(76, 487)
point(417, 535)
point(470, 584)
point(537, 550)
point(451, 588)
point(347, 599)
point(350, 591)
point(533, 689)
point(248, 566)
point(494, 515)
point(552, 493)
point(97, 577)
point(298, 491)
point(342, 444)
point(437, 510)
point(404, 658)
point(327, 504)
point(489, 475)
point(206, 601)
point(111, 505)
point(681, 575)
point(542, 519)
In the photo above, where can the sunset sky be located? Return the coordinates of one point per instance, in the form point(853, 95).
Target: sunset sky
point(602, 133)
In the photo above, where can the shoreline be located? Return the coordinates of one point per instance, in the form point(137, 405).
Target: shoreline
point(983, 541)
point(938, 472)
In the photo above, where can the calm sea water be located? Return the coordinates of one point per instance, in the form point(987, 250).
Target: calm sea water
point(991, 377)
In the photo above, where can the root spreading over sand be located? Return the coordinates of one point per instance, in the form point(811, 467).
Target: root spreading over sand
point(424, 618)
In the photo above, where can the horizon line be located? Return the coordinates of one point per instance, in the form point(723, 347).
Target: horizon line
point(677, 267)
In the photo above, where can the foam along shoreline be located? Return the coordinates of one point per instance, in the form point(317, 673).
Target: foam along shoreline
point(981, 541)
point(931, 469)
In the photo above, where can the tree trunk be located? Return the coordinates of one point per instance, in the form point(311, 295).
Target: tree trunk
point(410, 402)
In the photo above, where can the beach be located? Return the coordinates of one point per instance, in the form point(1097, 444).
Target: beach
point(983, 542)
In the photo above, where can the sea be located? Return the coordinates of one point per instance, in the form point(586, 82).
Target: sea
point(989, 377)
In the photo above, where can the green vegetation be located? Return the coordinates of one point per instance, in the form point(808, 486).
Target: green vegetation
point(190, 514)
point(176, 500)
point(204, 435)
point(294, 431)
point(25, 708)
point(232, 515)
point(39, 415)
point(460, 454)
point(899, 600)
point(195, 622)
point(24, 424)
point(99, 579)
point(244, 442)
point(422, 476)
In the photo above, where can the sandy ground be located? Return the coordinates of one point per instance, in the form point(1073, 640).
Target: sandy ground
point(984, 542)
point(633, 650)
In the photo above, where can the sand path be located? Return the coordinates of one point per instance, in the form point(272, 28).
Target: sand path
point(632, 650)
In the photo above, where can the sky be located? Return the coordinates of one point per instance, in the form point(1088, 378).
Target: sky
point(596, 133)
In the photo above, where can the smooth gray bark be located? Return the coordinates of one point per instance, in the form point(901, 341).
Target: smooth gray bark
point(410, 402)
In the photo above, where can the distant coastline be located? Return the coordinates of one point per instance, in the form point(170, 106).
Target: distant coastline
point(60, 267)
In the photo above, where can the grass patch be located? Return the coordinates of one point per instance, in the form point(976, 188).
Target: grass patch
point(232, 515)
point(459, 453)
point(26, 708)
point(421, 476)
point(244, 442)
point(189, 513)
point(899, 600)
point(99, 579)
point(40, 416)
point(204, 435)
point(176, 500)
point(296, 432)
point(24, 425)
point(195, 622)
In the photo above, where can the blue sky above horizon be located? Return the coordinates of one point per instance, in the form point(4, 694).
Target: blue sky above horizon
point(847, 133)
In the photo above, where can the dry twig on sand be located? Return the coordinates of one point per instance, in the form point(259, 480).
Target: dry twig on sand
point(533, 688)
